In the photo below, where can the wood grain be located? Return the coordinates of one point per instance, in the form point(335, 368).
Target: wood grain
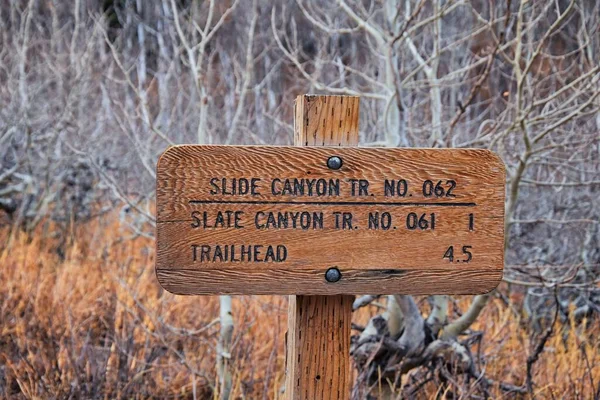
point(404, 257)
point(318, 339)
point(318, 362)
point(326, 121)
point(183, 188)
point(312, 282)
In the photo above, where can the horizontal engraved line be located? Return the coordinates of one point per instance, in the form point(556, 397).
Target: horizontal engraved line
point(335, 203)
point(353, 272)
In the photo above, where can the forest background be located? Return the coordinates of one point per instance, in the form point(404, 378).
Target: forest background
point(91, 92)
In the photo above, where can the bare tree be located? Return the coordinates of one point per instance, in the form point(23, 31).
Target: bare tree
point(463, 74)
point(92, 92)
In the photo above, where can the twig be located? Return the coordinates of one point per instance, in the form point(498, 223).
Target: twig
point(534, 357)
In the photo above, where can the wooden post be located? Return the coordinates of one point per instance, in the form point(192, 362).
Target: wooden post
point(318, 342)
point(198, 253)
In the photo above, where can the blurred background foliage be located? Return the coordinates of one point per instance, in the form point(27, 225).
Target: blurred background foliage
point(91, 92)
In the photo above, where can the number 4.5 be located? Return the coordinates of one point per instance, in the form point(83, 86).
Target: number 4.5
point(449, 254)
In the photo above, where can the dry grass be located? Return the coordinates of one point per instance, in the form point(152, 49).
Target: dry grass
point(92, 322)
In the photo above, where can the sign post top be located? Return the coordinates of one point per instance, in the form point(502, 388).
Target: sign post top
point(275, 220)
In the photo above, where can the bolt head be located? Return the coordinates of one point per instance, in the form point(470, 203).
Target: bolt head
point(333, 275)
point(334, 162)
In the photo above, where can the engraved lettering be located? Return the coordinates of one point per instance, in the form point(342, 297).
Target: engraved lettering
point(423, 222)
point(347, 220)
point(363, 187)
point(270, 255)
point(392, 188)
point(274, 189)
point(222, 219)
point(305, 187)
point(343, 220)
point(234, 186)
point(239, 253)
point(257, 248)
point(215, 187)
point(194, 249)
point(281, 253)
point(218, 253)
point(288, 220)
point(254, 186)
point(376, 221)
point(205, 252)
point(246, 252)
point(195, 216)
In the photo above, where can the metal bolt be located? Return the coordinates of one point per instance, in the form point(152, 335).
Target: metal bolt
point(334, 162)
point(333, 275)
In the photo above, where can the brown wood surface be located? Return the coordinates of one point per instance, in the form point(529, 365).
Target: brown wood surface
point(318, 341)
point(397, 260)
point(318, 363)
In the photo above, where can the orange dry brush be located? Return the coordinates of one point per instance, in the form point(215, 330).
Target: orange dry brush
point(96, 324)
point(91, 321)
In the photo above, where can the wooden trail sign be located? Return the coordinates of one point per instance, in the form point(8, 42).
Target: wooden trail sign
point(308, 220)
point(322, 222)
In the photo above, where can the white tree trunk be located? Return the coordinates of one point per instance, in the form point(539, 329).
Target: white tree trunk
point(224, 348)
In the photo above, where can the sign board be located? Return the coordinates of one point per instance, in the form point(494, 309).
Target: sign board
point(329, 220)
